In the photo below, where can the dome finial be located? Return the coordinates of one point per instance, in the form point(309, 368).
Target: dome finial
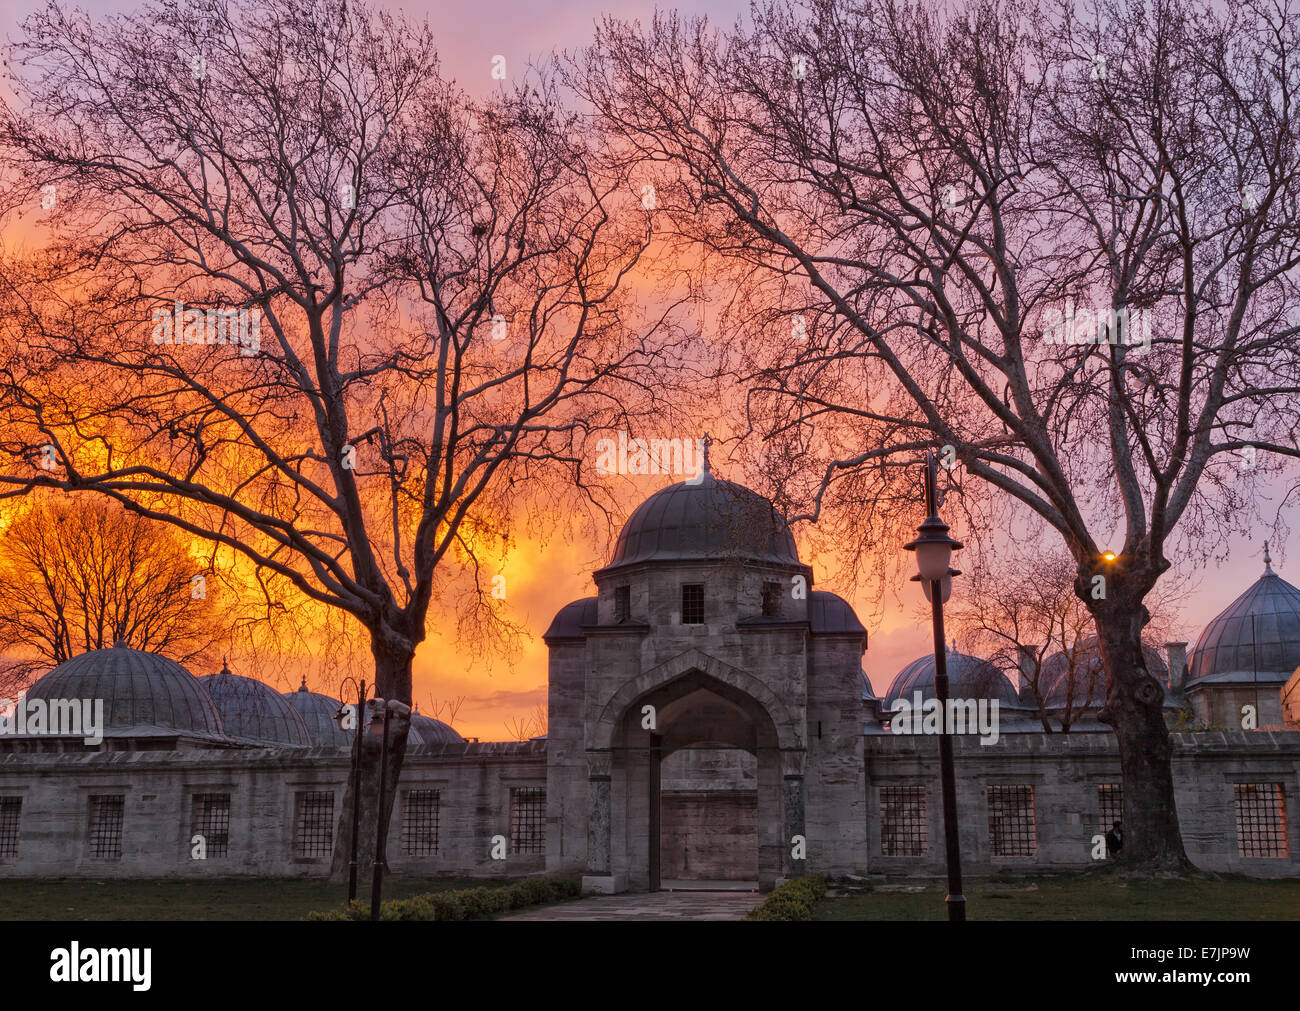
point(706, 442)
point(224, 669)
point(1268, 567)
point(303, 687)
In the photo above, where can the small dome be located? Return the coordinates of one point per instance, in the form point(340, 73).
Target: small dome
point(828, 613)
point(1256, 638)
point(968, 678)
point(317, 712)
point(708, 520)
point(569, 620)
point(144, 694)
point(256, 713)
point(433, 732)
point(1089, 681)
point(868, 693)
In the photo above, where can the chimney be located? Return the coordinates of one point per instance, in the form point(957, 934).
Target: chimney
point(1024, 683)
point(1177, 665)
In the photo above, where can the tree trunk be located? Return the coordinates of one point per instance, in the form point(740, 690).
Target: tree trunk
point(1153, 840)
point(392, 681)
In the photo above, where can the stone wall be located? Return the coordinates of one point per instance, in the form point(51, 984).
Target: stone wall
point(1220, 705)
point(710, 835)
point(1065, 772)
point(1060, 820)
point(473, 783)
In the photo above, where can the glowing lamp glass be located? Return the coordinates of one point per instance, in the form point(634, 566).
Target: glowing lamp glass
point(932, 559)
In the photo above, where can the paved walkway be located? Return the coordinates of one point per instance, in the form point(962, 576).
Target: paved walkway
point(661, 906)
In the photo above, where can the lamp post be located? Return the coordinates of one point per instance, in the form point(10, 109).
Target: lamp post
point(356, 782)
point(934, 550)
point(380, 727)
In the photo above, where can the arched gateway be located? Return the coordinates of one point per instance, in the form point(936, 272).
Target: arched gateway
point(705, 706)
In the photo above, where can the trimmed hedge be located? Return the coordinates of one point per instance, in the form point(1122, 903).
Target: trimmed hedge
point(793, 900)
point(465, 904)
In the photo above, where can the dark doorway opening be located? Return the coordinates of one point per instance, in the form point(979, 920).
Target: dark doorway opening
point(708, 819)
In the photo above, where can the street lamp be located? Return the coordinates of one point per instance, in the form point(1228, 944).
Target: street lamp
point(934, 550)
point(341, 717)
point(379, 728)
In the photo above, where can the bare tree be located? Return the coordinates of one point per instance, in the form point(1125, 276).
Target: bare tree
point(426, 291)
point(524, 728)
point(446, 709)
point(915, 200)
point(1024, 616)
point(78, 576)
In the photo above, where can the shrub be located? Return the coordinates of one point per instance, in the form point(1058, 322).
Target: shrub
point(463, 904)
point(793, 900)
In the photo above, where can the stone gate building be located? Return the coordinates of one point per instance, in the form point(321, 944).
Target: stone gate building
point(710, 725)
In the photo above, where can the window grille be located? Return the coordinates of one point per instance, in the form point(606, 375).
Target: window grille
point(10, 813)
point(622, 603)
point(903, 827)
point(314, 836)
point(104, 832)
point(1261, 819)
point(1012, 831)
point(527, 819)
point(420, 823)
point(771, 600)
point(210, 818)
point(693, 604)
point(1110, 804)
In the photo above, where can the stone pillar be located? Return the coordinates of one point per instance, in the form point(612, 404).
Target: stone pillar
point(794, 826)
point(600, 805)
point(598, 825)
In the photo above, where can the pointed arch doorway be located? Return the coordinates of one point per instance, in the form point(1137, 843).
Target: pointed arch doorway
point(699, 794)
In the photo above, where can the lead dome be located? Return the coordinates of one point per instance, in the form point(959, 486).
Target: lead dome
point(706, 520)
point(1255, 638)
point(254, 712)
point(145, 694)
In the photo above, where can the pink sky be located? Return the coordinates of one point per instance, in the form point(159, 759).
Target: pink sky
point(544, 579)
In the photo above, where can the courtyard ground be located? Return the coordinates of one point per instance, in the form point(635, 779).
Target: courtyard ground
point(214, 899)
point(1049, 898)
point(1085, 897)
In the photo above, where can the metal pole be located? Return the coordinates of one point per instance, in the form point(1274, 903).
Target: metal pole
point(377, 880)
point(955, 901)
point(356, 794)
point(1254, 662)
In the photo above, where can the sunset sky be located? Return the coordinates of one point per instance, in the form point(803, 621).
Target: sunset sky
point(542, 578)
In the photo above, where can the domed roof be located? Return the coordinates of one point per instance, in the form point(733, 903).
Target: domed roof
point(145, 694)
point(968, 678)
point(1231, 650)
point(569, 620)
point(317, 712)
point(829, 613)
point(710, 519)
point(1089, 674)
point(431, 731)
point(254, 712)
point(868, 693)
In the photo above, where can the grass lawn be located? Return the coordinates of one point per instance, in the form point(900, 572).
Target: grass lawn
point(215, 899)
point(1082, 898)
